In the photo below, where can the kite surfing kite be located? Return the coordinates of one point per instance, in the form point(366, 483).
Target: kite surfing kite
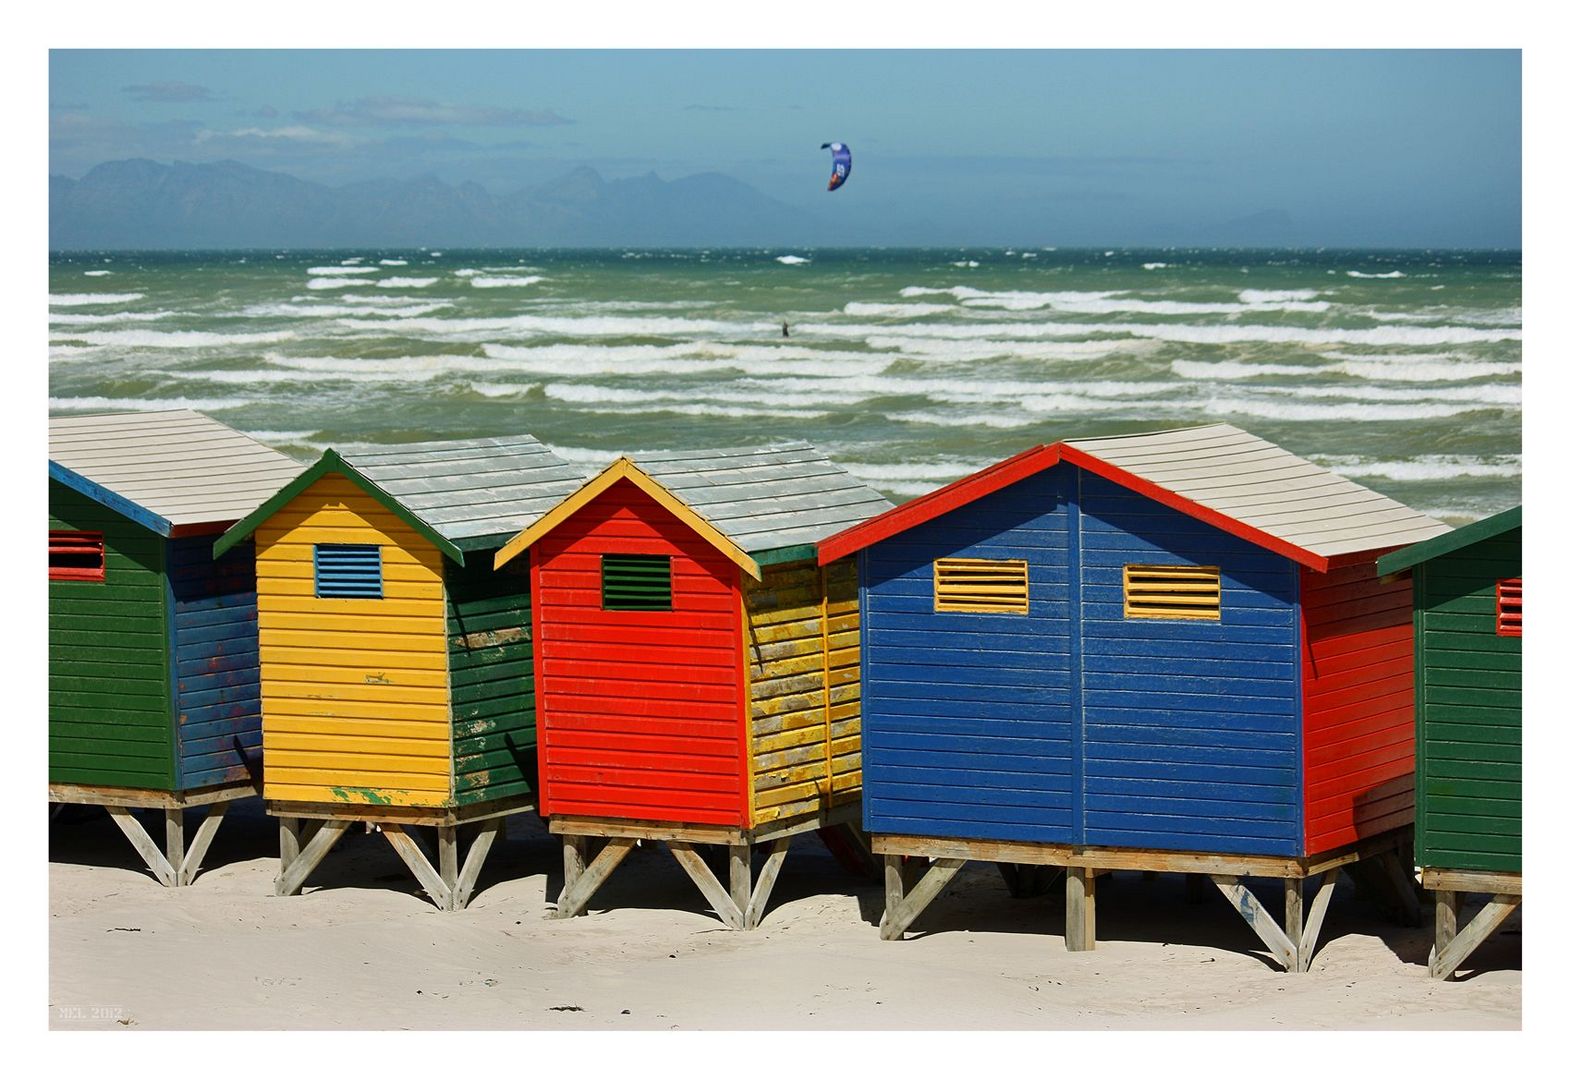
point(840, 156)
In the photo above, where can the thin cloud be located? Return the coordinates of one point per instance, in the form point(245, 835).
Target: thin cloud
point(413, 112)
point(167, 91)
point(295, 133)
point(709, 108)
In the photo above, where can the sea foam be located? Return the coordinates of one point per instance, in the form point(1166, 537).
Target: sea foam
point(85, 299)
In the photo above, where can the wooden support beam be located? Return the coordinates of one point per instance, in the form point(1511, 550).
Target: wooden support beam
point(740, 866)
point(895, 885)
point(289, 842)
point(1080, 909)
point(1481, 881)
point(174, 841)
point(572, 899)
point(1259, 920)
point(707, 883)
point(1293, 916)
point(1486, 922)
point(419, 864)
point(290, 879)
point(575, 851)
point(1445, 923)
point(191, 865)
point(155, 860)
point(447, 861)
point(1317, 918)
point(766, 881)
point(479, 847)
point(916, 898)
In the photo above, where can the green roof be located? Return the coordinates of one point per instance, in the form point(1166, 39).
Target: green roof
point(1410, 556)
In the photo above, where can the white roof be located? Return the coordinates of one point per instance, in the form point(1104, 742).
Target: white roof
point(1258, 484)
point(175, 464)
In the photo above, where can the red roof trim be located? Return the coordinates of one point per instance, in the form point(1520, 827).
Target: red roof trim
point(1194, 509)
point(1029, 462)
point(934, 504)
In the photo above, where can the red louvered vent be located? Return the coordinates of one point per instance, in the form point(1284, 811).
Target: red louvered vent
point(76, 556)
point(1508, 607)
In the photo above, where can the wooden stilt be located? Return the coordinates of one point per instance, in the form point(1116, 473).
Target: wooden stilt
point(1080, 909)
point(1317, 918)
point(719, 899)
point(766, 881)
point(447, 861)
point(574, 898)
point(289, 843)
point(917, 897)
point(575, 857)
point(1259, 920)
point(290, 880)
point(479, 848)
point(741, 873)
point(155, 859)
point(894, 885)
point(1459, 948)
point(1293, 915)
point(191, 865)
point(174, 841)
point(1445, 923)
point(419, 864)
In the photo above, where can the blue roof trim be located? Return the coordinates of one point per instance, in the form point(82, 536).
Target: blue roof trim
point(118, 503)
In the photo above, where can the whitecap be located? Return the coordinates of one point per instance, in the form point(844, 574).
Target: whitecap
point(406, 282)
point(504, 282)
point(1359, 274)
point(96, 273)
point(895, 310)
point(792, 260)
point(1233, 369)
point(1154, 266)
point(85, 299)
point(336, 283)
point(341, 271)
point(1426, 467)
point(78, 319)
point(393, 262)
point(968, 264)
point(139, 404)
point(1272, 296)
point(174, 339)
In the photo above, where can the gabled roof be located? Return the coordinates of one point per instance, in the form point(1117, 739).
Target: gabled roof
point(460, 494)
point(170, 470)
point(1216, 473)
point(758, 505)
point(1456, 540)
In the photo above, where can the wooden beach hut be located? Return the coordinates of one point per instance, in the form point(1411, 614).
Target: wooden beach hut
point(153, 685)
point(1166, 651)
point(396, 664)
point(1467, 647)
point(696, 668)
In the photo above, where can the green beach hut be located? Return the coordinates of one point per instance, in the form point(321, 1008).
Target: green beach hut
point(1467, 623)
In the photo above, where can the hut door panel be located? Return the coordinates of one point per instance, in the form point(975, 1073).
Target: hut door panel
point(640, 709)
point(1189, 726)
point(968, 716)
point(218, 684)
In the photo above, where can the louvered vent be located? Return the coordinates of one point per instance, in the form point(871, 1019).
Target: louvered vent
point(996, 586)
point(1172, 592)
point(349, 571)
point(76, 556)
point(635, 582)
point(1508, 607)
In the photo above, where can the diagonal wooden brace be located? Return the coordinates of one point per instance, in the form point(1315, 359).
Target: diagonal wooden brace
point(766, 882)
point(155, 860)
point(901, 908)
point(474, 860)
point(419, 864)
point(717, 895)
point(191, 865)
point(292, 876)
point(1259, 920)
point(1445, 960)
point(582, 881)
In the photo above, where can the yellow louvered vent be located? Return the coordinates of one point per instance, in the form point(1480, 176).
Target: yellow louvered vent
point(1172, 592)
point(996, 586)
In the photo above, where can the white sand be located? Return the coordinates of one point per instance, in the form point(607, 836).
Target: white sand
point(363, 949)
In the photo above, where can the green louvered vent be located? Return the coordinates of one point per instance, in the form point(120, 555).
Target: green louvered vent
point(635, 582)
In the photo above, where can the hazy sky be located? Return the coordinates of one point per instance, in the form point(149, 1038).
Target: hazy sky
point(1340, 148)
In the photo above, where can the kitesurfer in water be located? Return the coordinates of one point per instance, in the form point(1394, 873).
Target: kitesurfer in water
point(785, 329)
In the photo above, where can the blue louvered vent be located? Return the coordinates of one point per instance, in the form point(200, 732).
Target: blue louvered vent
point(349, 570)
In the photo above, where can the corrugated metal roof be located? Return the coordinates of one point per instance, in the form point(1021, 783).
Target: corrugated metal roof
point(763, 498)
point(1260, 485)
point(179, 465)
point(473, 492)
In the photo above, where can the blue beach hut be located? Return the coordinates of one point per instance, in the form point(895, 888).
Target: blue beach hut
point(1167, 651)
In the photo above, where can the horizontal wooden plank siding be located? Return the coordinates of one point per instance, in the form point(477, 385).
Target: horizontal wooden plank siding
point(1190, 727)
point(218, 684)
point(805, 758)
point(491, 660)
point(1469, 814)
point(967, 717)
point(111, 719)
point(355, 703)
point(1358, 705)
point(641, 712)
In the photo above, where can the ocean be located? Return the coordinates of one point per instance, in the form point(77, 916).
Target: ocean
point(1401, 370)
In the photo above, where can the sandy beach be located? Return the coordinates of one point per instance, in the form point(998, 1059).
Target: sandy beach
point(362, 948)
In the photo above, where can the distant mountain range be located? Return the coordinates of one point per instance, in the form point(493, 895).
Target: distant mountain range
point(144, 204)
